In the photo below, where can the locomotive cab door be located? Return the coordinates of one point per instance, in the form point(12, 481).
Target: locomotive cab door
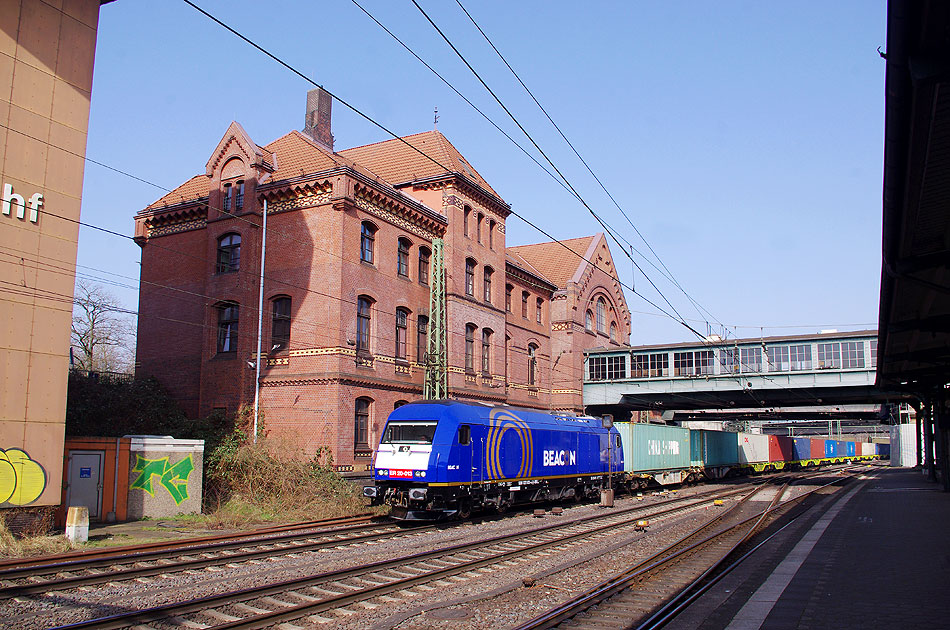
point(469, 457)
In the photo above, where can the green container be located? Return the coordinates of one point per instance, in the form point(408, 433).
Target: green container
point(714, 448)
point(652, 447)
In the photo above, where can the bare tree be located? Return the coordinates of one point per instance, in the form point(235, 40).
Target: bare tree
point(103, 333)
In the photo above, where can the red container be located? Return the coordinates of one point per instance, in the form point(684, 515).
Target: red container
point(817, 448)
point(781, 448)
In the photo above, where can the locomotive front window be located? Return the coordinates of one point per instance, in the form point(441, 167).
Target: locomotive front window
point(414, 432)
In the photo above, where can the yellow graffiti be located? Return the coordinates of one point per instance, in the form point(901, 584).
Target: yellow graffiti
point(22, 480)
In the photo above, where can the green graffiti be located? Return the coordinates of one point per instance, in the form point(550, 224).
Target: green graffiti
point(173, 477)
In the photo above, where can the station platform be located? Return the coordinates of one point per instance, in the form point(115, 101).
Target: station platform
point(874, 555)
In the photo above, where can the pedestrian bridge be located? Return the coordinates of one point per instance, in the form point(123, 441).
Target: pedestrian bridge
point(814, 370)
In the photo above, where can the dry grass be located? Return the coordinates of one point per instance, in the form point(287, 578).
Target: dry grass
point(30, 543)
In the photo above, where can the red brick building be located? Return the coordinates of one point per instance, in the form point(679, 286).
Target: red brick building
point(346, 287)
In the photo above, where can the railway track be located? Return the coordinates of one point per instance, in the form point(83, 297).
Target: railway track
point(163, 558)
point(649, 593)
point(320, 597)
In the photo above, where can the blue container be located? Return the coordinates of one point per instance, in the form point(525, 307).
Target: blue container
point(831, 448)
point(852, 449)
point(884, 449)
point(714, 448)
point(801, 449)
point(841, 448)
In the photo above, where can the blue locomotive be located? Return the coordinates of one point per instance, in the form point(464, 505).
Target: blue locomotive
point(439, 459)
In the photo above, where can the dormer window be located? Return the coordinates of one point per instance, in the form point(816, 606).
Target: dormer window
point(233, 196)
point(239, 195)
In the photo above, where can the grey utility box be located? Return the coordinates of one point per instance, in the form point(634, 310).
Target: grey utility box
point(165, 476)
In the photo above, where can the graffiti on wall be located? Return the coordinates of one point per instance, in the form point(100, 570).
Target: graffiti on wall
point(174, 477)
point(22, 480)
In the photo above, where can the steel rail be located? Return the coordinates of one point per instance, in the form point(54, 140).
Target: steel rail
point(664, 557)
point(403, 564)
point(62, 559)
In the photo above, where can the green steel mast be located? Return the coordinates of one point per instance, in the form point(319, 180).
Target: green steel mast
point(436, 382)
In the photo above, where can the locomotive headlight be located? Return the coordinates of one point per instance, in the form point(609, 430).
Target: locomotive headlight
point(370, 491)
point(417, 494)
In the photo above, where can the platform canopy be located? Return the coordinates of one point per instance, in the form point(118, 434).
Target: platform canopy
point(914, 324)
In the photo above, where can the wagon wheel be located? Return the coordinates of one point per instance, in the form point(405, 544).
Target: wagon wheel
point(465, 508)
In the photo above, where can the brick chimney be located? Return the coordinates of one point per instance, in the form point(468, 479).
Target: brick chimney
point(316, 123)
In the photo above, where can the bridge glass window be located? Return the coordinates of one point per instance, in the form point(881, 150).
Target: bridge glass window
point(874, 353)
point(799, 357)
point(852, 354)
point(616, 367)
point(640, 366)
point(597, 368)
point(829, 356)
point(705, 362)
point(778, 358)
point(607, 368)
point(750, 360)
point(729, 361)
point(683, 364)
point(659, 365)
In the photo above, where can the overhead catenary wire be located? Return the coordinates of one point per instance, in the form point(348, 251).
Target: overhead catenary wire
point(669, 274)
point(365, 116)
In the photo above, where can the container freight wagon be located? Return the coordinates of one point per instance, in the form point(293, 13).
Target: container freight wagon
point(781, 452)
point(656, 452)
point(753, 451)
point(804, 451)
point(444, 458)
point(715, 451)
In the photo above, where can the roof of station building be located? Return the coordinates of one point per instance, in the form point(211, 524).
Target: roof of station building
point(551, 258)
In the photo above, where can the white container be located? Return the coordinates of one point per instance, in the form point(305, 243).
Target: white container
point(904, 445)
point(753, 448)
point(868, 449)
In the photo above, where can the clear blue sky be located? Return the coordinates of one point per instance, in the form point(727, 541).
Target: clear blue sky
point(744, 139)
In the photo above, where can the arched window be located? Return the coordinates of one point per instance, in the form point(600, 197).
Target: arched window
point(488, 273)
point(601, 309)
point(524, 304)
point(227, 326)
point(491, 234)
point(508, 290)
point(486, 351)
point(229, 253)
point(465, 216)
point(470, 347)
point(613, 332)
point(424, 254)
point(361, 422)
point(402, 257)
point(470, 277)
point(589, 321)
point(532, 364)
point(364, 309)
point(280, 323)
point(402, 332)
point(367, 241)
point(478, 227)
point(422, 339)
point(540, 306)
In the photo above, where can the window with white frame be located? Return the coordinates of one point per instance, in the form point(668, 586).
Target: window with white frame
point(778, 358)
point(684, 364)
point(852, 354)
point(659, 365)
point(799, 357)
point(640, 366)
point(729, 361)
point(750, 360)
point(829, 356)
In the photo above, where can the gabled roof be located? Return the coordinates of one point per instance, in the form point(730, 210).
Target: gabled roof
point(194, 188)
point(299, 155)
point(398, 163)
point(553, 260)
point(516, 261)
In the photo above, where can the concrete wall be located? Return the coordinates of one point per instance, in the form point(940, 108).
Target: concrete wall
point(165, 477)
